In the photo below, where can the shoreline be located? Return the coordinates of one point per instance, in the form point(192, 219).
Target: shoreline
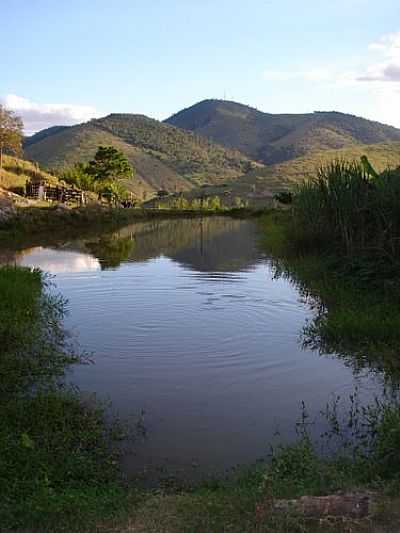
point(242, 502)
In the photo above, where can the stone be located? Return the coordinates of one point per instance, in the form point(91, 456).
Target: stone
point(352, 505)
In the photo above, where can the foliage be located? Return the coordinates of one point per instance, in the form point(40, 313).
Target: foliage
point(33, 343)
point(109, 164)
point(78, 175)
point(350, 208)
point(356, 301)
point(102, 174)
point(113, 191)
point(11, 131)
point(181, 202)
point(187, 153)
point(357, 448)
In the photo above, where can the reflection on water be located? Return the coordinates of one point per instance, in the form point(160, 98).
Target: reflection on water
point(186, 322)
point(58, 261)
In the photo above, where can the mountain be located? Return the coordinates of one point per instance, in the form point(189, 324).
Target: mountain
point(275, 138)
point(183, 154)
point(165, 157)
point(42, 135)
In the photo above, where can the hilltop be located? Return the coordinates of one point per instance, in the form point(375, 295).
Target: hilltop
point(275, 138)
point(165, 157)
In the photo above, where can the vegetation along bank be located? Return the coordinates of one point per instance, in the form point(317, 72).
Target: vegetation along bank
point(339, 241)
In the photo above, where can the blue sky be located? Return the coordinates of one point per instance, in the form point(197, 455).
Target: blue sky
point(65, 61)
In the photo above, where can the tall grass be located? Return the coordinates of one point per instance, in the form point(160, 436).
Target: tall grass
point(340, 245)
point(351, 209)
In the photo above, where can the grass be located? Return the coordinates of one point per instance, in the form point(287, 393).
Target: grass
point(351, 210)
point(16, 172)
point(55, 459)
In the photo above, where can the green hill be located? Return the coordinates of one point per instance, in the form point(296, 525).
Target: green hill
point(179, 155)
point(288, 173)
point(164, 157)
point(274, 138)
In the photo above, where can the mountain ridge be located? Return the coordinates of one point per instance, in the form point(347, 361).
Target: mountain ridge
point(165, 157)
point(273, 138)
point(272, 149)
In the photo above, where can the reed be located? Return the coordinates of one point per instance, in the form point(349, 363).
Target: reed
point(350, 208)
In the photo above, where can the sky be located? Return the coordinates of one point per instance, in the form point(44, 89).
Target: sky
point(66, 61)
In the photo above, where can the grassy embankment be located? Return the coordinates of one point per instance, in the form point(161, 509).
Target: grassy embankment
point(55, 459)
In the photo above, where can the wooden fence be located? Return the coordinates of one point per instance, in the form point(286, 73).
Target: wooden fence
point(42, 191)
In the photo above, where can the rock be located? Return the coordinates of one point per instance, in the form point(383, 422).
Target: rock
point(62, 207)
point(353, 505)
point(7, 213)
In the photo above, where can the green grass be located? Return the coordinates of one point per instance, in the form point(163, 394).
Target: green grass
point(56, 468)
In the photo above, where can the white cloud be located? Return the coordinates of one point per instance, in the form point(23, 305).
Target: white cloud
point(376, 76)
point(40, 116)
point(387, 68)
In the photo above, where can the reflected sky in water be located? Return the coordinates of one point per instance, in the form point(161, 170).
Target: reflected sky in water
point(186, 322)
point(59, 262)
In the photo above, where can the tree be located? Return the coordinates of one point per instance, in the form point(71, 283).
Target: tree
point(109, 164)
point(78, 175)
point(11, 131)
point(215, 203)
point(114, 192)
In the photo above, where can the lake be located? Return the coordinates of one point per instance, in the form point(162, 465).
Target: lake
point(192, 334)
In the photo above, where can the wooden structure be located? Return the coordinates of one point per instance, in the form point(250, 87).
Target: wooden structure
point(41, 190)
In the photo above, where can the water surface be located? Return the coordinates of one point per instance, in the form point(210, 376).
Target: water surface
point(188, 326)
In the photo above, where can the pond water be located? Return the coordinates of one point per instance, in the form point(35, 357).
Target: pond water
point(190, 331)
